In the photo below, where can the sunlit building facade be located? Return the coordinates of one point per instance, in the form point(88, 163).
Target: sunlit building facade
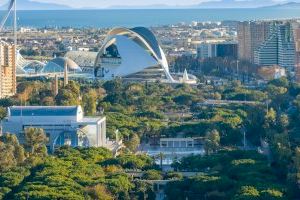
point(7, 70)
point(250, 36)
point(63, 125)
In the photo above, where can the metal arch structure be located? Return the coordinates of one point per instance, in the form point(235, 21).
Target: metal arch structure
point(142, 37)
point(11, 6)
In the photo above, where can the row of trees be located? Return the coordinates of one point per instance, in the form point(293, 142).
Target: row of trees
point(229, 174)
point(221, 67)
point(28, 172)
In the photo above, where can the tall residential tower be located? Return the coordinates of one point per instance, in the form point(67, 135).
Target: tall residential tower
point(7, 70)
point(250, 36)
point(8, 55)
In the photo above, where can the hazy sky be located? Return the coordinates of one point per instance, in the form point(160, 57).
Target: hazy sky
point(108, 3)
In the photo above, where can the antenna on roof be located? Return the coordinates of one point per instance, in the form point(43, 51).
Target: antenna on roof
point(15, 25)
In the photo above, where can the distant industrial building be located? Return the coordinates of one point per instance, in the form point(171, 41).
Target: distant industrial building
point(62, 125)
point(250, 36)
point(278, 49)
point(211, 50)
point(7, 70)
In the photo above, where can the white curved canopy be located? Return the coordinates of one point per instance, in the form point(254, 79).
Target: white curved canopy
point(138, 50)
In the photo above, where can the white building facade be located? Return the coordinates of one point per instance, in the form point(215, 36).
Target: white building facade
point(63, 125)
point(133, 54)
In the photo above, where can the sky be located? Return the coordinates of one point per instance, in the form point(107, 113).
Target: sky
point(110, 3)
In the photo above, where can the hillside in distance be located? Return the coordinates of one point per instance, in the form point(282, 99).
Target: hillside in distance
point(33, 5)
point(290, 5)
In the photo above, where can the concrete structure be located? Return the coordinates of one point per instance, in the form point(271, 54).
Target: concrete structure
point(172, 149)
point(177, 142)
point(132, 54)
point(250, 36)
point(63, 125)
point(278, 49)
point(7, 70)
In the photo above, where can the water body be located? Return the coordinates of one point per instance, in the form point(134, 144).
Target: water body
point(144, 17)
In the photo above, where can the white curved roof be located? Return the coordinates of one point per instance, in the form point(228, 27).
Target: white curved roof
point(82, 58)
point(138, 49)
point(58, 65)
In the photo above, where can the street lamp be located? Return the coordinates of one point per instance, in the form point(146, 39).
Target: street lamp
point(237, 69)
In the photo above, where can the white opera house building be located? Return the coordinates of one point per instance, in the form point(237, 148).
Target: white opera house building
point(132, 54)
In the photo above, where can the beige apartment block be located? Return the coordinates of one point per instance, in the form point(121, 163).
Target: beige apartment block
point(7, 70)
point(250, 36)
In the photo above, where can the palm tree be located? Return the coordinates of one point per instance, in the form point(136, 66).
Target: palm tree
point(161, 156)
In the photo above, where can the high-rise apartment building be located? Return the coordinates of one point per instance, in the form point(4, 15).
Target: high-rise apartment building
point(250, 36)
point(297, 44)
point(206, 50)
point(286, 47)
point(278, 49)
point(7, 70)
point(224, 49)
point(267, 53)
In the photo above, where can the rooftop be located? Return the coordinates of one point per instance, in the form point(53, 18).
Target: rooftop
point(16, 111)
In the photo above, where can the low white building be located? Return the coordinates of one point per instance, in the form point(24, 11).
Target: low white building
point(63, 125)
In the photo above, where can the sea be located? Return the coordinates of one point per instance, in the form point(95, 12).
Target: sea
point(144, 17)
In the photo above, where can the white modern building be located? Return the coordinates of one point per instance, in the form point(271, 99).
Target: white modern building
point(132, 54)
point(64, 125)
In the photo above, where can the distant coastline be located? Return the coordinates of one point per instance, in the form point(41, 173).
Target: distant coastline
point(27, 5)
point(103, 18)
